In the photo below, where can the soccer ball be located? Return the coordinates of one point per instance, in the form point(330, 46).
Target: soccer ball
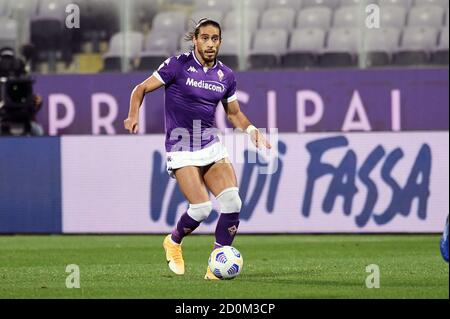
point(226, 262)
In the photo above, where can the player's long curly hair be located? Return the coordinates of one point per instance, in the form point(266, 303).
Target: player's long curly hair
point(196, 30)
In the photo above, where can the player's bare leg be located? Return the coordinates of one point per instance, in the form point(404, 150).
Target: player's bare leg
point(220, 179)
point(192, 186)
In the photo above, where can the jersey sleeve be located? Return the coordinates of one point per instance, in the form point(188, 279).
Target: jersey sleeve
point(231, 96)
point(167, 71)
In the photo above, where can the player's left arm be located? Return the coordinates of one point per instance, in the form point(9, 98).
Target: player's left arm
point(238, 119)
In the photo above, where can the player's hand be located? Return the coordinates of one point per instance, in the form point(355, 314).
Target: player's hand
point(132, 125)
point(259, 139)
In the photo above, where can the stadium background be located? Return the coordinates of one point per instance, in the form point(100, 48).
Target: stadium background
point(372, 103)
point(84, 184)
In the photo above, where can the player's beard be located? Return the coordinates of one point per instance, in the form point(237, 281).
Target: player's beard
point(208, 58)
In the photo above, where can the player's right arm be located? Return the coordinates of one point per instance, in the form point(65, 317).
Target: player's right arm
point(137, 96)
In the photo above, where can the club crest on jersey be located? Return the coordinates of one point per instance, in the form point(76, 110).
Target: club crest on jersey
point(220, 74)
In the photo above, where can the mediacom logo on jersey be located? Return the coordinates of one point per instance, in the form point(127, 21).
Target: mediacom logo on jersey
point(207, 85)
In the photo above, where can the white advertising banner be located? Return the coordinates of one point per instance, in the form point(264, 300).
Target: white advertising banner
point(308, 183)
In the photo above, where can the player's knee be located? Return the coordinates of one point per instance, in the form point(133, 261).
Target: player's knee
point(230, 201)
point(201, 211)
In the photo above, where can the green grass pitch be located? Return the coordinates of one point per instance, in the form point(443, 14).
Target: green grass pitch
point(275, 266)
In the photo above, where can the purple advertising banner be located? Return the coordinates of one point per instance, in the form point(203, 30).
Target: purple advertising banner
point(292, 101)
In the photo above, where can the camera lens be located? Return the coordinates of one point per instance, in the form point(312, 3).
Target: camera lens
point(19, 92)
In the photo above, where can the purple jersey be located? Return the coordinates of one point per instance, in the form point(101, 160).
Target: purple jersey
point(192, 95)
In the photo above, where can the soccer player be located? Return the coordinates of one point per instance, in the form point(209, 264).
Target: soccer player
point(444, 242)
point(195, 82)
